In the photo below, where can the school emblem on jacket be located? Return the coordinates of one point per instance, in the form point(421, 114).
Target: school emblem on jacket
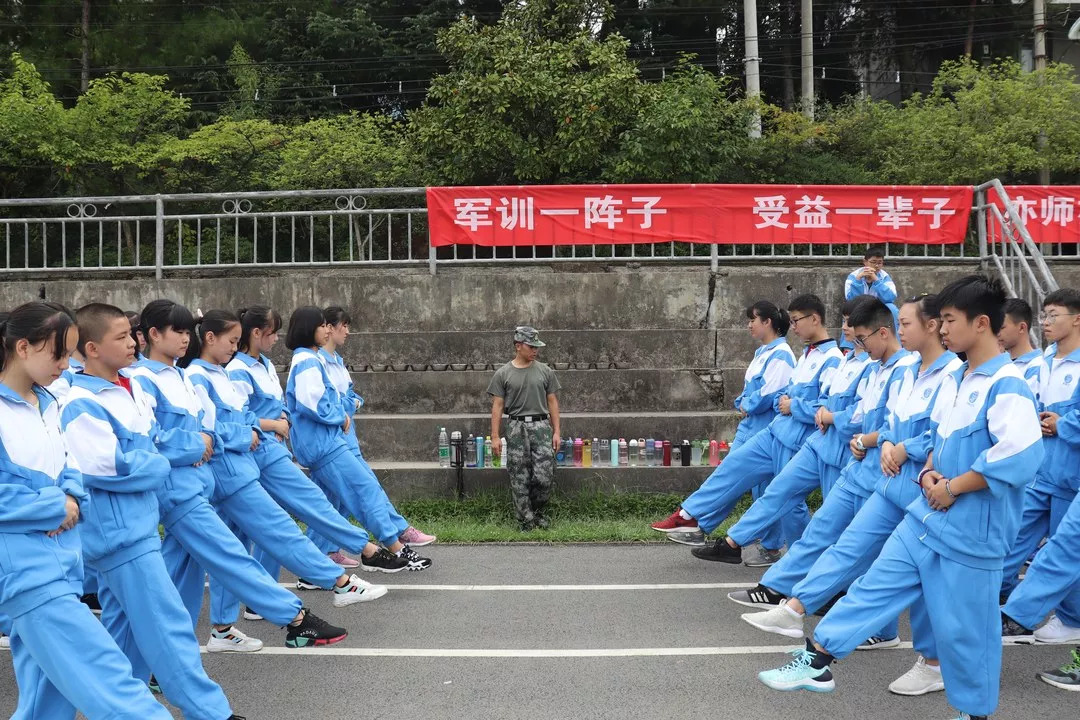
point(972, 398)
point(1068, 379)
point(927, 392)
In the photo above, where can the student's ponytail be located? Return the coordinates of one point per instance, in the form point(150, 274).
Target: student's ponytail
point(214, 321)
point(36, 322)
point(778, 318)
point(783, 322)
point(255, 317)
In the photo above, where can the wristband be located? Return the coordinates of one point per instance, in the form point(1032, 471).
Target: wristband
point(948, 489)
point(859, 443)
point(921, 475)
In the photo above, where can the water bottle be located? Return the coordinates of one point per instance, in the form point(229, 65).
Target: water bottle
point(614, 452)
point(579, 452)
point(479, 451)
point(586, 453)
point(724, 449)
point(470, 451)
point(695, 456)
point(444, 448)
point(667, 452)
point(503, 456)
point(560, 454)
point(457, 450)
point(488, 459)
point(676, 455)
point(624, 452)
point(684, 455)
point(604, 455)
point(714, 453)
point(632, 452)
point(650, 452)
point(658, 453)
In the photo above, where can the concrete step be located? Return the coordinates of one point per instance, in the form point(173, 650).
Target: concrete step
point(414, 438)
point(582, 390)
point(410, 481)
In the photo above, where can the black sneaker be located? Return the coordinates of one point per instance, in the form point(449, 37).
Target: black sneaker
point(759, 596)
point(90, 600)
point(824, 609)
point(313, 631)
point(1013, 633)
point(155, 688)
point(383, 561)
point(719, 551)
point(416, 562)
point(1066, 677)
point(302, 584)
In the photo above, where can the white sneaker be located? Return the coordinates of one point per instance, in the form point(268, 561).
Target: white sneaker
point(780, 620)
point(879, 643)
point(357, 590)
point(250, 614)
point(919, 680)
point(1056, 632)
point(232, 640)
point(5, 642)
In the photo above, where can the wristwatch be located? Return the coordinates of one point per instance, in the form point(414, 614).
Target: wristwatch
point(859, 443)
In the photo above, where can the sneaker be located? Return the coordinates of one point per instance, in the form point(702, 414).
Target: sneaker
point(1013, 633)
point(416, 563)
point(154, 685)
point(759, 596)
point(1056, 632)
point(232, 640)
point(250, 614)
point(343, 560)
point(90, 600)
point(720, 551)
point(1066, 677)
point(965, 716)
point(675, 523)
point(760, 556)
point(781, 620)
point(919, 680)
point(879, 643)
point(824, 609)
point(5, 642)
point(302, 584)
point(693, 538)
point(357, 591)
point(799, 674)
point(414, 537)
point(313, 630)
point(383, 561)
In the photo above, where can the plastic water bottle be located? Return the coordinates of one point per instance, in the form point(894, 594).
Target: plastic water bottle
point(503, 456)
point(696, 453)
point(500, 459)
point(586, 453)
point(724, 449)
point(579, 452)
point(470, 451)
point(479, 451)
point(667, 452)
point(603, 452)
point(444, 448)
point(614, 452)
point(624, 452)
point(487, 452)
point(560, 454)
point(650, 452)
point(632, 452)
point(714, 453)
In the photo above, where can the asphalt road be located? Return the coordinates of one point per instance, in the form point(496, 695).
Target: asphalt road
point(483, 634)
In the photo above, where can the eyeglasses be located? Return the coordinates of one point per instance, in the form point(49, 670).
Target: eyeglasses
point(1053, 317)
point(795, 321)
point(861, 341)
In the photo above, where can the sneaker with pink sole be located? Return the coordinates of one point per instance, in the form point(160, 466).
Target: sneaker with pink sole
point(343, 560)
point(414, 537)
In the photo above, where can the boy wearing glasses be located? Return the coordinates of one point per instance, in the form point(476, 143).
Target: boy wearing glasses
point(871, 278)
point(762, 457)
point(1015, 339)
point(1048, 498)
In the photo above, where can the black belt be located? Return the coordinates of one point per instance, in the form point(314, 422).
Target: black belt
point(528, 418)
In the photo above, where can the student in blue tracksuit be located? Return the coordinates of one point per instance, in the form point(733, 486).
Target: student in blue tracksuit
point(871, 279)
point(1047, 499)
point(351, 401)
point(764, 456)
point(64, 659)
point(818, 461)
point(243, 503)
point(196, 540)
point(1015, 339)
point(107, 426)
point(949, 549)
point(319, 426)
point(905, 442)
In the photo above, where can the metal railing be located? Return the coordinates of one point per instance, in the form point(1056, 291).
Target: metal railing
point(350, 227)
point(1005, 243)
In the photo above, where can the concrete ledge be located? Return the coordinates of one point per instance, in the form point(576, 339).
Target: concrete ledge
point(418, 481)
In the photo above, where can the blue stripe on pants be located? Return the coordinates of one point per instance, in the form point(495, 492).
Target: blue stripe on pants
point(1053, 580)
point(962, 605)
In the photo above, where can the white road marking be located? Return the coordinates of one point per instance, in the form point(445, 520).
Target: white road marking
point(530, 652)
point(576, 588)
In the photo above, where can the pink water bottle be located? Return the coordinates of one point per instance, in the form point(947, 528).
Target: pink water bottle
point(578, 448)
point(714, 453)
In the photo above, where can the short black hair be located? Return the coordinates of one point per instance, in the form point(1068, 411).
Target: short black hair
point(872, 314)
point(927, 306)
point(93, 320)
point(874, 251)
point(337, 315)
point(849, 307)
point(808, 303)
point(302, 326)
point(777, 317)
point(164, 314)
point(255, 317)
point(1065, 297)
point(1018, 310)
point(976, 295)
point(36, 322)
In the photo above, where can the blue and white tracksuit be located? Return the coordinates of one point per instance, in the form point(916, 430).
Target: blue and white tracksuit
point(318, 416)
point(883, 287)
point(952, 559)
point(818, 461)
point(762, 457)
point(1032, 366)
point(197, 541)
point(64, 659)
point(1047, 498)
point(238, 497)
point(109, 432)
point(855, 485)
point(257, 380)
point(351, 402)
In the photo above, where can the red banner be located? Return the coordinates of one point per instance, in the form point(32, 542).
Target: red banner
point(1049, 212)
point(725, 214)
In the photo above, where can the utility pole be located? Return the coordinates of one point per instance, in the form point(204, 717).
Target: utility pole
point(808, 58)
point(84, 78)
point(1040, 66)
point(753, 62)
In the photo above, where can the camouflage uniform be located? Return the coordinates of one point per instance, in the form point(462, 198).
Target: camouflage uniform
point(530, 461)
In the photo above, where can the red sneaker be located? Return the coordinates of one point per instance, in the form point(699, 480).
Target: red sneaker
point(675, 523)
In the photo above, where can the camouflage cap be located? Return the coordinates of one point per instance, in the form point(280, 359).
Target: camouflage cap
point(527, 335)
